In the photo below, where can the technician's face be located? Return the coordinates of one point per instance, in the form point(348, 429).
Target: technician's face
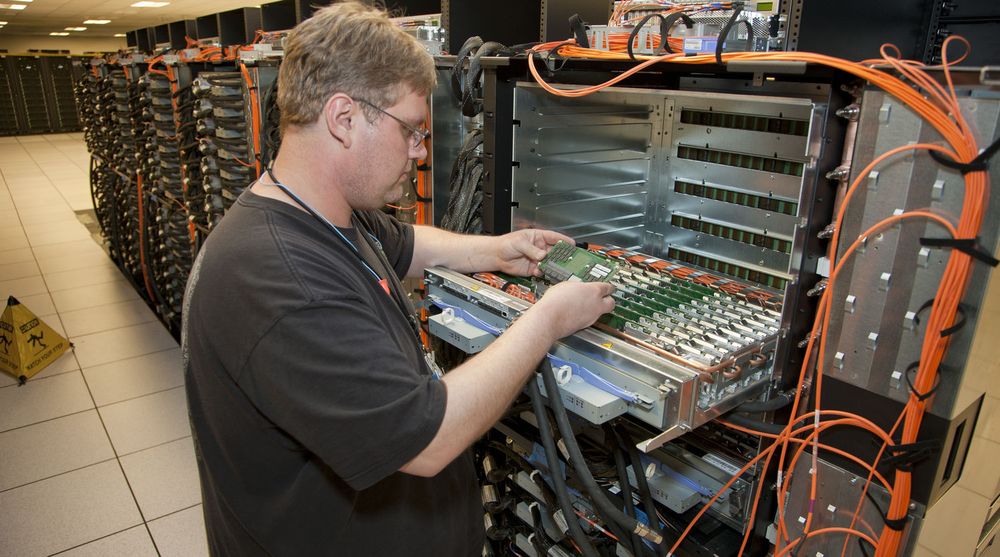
point(390, 149)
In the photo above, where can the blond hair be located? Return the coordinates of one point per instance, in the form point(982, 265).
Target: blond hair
point(353, 49)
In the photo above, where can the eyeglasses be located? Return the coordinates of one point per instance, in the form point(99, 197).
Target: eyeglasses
point(417, 135)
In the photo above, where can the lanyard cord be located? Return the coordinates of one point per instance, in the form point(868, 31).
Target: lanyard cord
point(322, 219)
point(391, 291)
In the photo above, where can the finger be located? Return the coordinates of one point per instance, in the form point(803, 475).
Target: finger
point(551, 237)
point(532, 251)
point(607, 289)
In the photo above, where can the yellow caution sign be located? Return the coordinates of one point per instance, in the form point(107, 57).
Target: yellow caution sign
point(27, 344)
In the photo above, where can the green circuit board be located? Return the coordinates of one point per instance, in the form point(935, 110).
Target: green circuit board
point(568, 262)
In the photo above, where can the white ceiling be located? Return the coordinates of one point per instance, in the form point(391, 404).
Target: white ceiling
point(42, 17)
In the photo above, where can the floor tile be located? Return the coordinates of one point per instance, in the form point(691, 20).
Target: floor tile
point(135, 377)
point(107, 317)
point(67, 249)
point(952, 525)
point(10, 232)
point(87, 258)
point(980, 472)
point(39, 304)
point(21, 269)
point(181, 534)
point(88, 276)
point(57, 216)
point(58, 236)
point(28, 214)
point(92, 296)
point(68, 226)
point(13, 242)
point(22, 287)
point(42, 200)
point(988, 423)
point(164, 479)
point(17, 255)
point(8, 214)
point(921, 551)
point(121, 343)
point(134, 542)
point(65, 364)
point(144, 422)
point(43, 399)
point(66, 511)
point(53, 447)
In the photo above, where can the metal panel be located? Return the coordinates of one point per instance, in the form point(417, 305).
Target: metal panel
point(744, 217)
point(840, 492)
point(777, 185)
point(904, 274)
point(448, 129)
point(584, 167)
point(758, 259)
point(784, 146)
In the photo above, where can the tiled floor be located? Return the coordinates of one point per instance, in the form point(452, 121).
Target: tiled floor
point(95, 451)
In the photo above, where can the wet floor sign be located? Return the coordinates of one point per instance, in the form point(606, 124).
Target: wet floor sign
point(27, 344)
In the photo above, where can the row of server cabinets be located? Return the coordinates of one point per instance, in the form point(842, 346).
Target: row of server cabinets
point(177, 128)
point(171, 151)
point(37, 94)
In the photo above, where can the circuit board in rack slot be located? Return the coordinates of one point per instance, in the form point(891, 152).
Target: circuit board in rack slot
point(568, 262)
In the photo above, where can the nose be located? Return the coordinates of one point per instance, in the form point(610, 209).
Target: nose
point(420, 151)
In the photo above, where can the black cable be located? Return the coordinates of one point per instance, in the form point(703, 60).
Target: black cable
point(576, 458)
point(776, 402)
point(540, 541)
point(645, 494)
point(743, 421)
point(555, 473)
point(737, 9)
point(626, 488)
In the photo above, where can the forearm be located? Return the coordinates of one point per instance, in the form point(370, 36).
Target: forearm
point(480, 390)
point(463, 253)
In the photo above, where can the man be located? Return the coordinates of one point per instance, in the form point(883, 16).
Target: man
point(318, 424)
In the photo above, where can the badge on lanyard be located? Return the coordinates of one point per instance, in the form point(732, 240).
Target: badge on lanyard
point(432, 365)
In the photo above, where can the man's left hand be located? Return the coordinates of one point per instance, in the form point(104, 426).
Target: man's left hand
point(518, 253)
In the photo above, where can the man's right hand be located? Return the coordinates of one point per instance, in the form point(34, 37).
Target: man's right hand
point(571, 306)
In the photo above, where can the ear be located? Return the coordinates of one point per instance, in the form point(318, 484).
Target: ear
point(338, 113)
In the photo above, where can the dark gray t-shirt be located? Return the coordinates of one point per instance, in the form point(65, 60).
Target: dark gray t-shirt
point(307, 392)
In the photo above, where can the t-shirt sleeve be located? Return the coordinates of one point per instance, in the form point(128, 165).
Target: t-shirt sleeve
point(396, 238)
point(328, 376)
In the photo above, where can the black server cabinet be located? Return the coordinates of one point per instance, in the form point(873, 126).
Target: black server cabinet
point(8, 112)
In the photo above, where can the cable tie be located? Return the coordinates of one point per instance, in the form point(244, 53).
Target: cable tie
point(921, 396)
point(961, 309)
point(978, 164)
point(579, 29)
point(968, 246)
point(904, 456)
point(897, 524)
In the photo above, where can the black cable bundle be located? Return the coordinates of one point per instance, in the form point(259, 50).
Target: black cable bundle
point(271, 129)
point(555, 472)
point(464, 213)
point(594, 491)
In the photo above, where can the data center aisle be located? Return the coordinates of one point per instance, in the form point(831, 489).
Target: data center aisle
point(95, 451)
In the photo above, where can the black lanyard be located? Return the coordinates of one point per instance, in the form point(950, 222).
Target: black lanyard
point(380, 259)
